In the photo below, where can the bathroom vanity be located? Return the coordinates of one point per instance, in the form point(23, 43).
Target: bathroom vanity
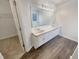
point(44, 27)
point(43, 34)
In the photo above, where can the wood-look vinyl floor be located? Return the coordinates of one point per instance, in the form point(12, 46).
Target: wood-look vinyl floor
point(57, 48)
point(11, 48)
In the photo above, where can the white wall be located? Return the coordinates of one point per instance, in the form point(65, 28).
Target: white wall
point(7, 26)
point(67, 17)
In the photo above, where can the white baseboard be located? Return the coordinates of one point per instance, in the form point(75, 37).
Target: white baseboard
point(1, 38)
point(70, 57)
point(68, 37)
point(28, 49)
point(1, 56)
point(75, 54)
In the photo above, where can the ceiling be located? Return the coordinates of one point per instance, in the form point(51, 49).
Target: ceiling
point(56, 2)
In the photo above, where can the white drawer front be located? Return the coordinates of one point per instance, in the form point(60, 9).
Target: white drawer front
point(46, 37)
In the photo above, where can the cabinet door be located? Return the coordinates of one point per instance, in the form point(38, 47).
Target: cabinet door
point(42, 39)
point(50, 35)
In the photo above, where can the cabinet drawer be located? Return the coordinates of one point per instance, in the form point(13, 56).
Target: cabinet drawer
point(42, 39)
point(47, 36)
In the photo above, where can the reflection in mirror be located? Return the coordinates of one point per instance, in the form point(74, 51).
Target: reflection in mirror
point(41, 16)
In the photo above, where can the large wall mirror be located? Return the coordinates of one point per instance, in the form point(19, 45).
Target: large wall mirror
point(42, 15)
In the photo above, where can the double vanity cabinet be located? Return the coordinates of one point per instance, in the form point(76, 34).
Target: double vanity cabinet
point(41, 37)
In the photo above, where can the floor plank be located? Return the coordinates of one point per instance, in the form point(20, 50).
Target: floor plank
point(11, 48)
point(57, 48)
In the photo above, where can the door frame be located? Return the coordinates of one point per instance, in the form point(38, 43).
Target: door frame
point(17, 23)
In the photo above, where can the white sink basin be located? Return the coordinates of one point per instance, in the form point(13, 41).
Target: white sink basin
point(39, 30)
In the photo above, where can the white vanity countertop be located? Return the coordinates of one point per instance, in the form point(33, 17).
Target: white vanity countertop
point(43, 29)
